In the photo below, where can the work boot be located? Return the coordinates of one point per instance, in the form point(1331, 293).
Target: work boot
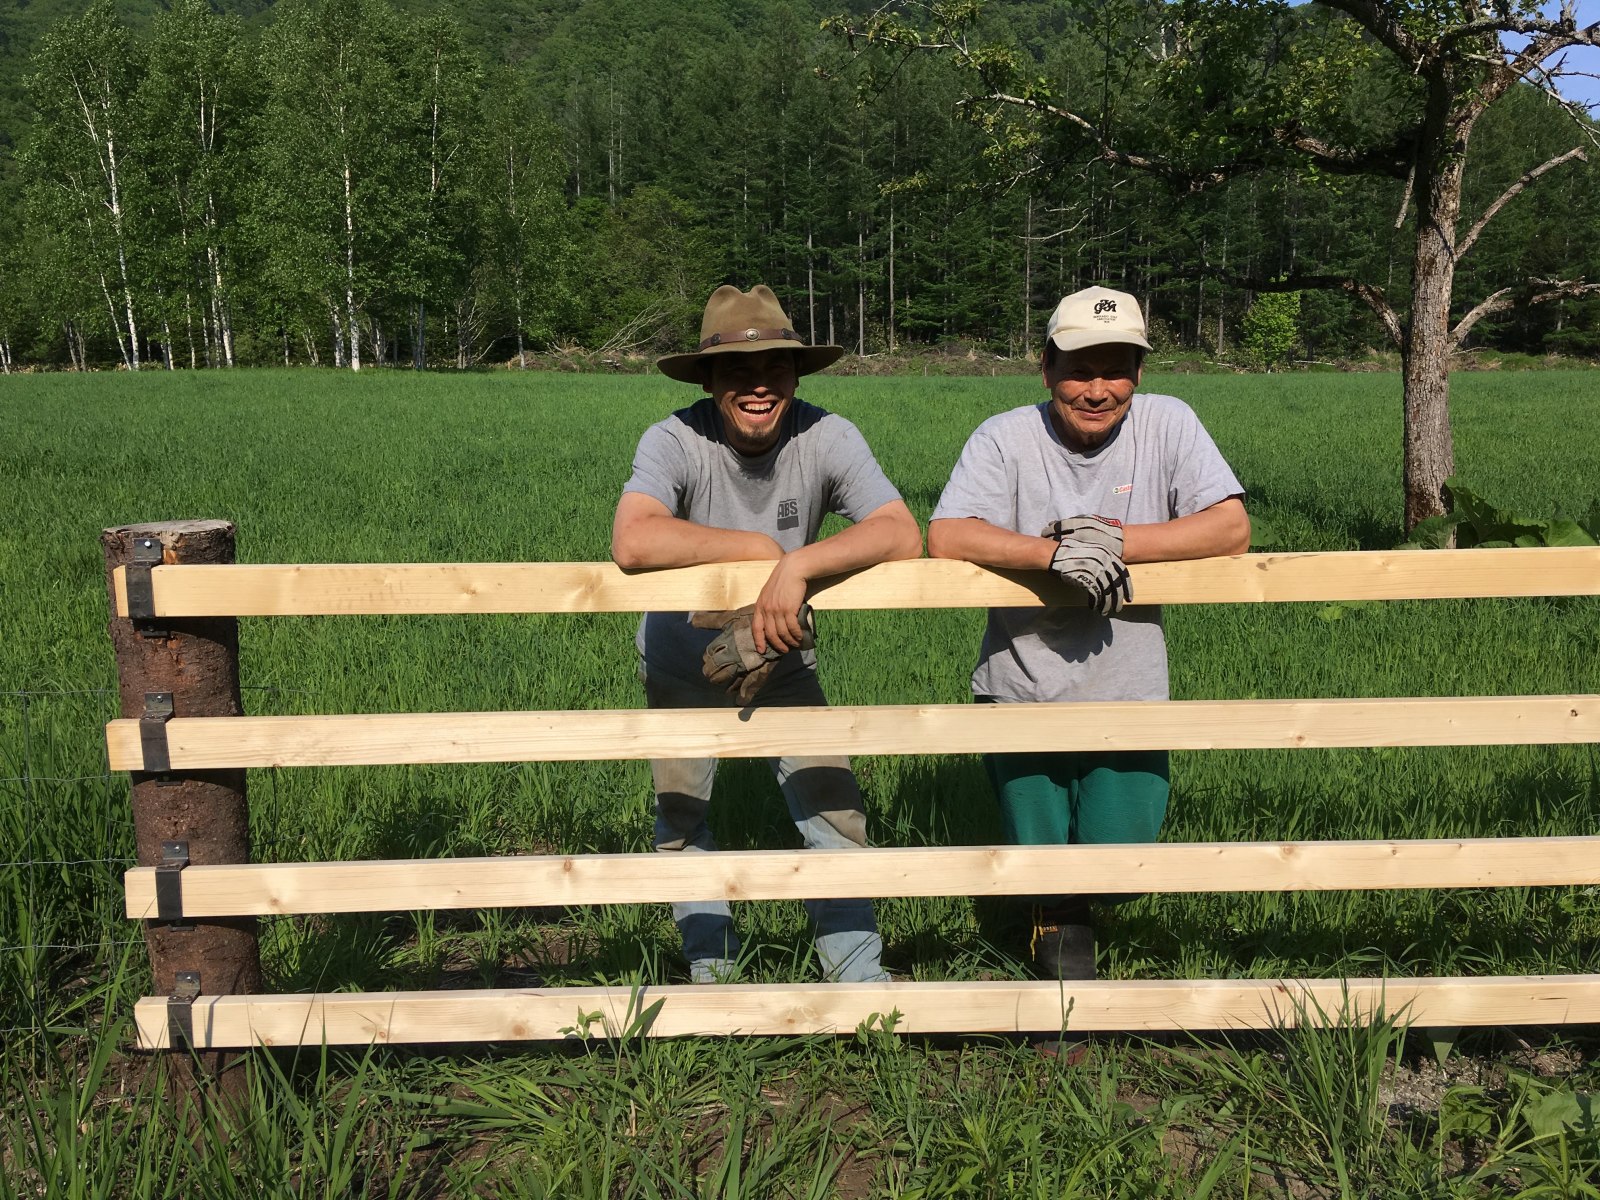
point(1063, 944)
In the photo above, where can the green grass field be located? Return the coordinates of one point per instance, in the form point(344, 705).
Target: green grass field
point(319, 467)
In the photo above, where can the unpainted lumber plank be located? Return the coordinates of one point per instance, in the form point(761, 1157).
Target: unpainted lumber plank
point(559, 736)
point(260, 889)
point(535, 1014)
point(250, 590)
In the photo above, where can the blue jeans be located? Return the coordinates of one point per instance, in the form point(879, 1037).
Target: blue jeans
point(825, 803)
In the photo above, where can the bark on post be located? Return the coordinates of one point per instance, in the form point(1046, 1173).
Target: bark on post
point(197, 661)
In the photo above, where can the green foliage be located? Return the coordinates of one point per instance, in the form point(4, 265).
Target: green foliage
point(1271, 330)
point(508, 164)
point(1473, 521)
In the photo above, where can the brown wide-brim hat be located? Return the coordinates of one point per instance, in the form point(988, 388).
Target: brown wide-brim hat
point(738, 322)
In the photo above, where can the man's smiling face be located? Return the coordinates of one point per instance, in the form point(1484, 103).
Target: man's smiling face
point(752, 392)
point(1090, 391)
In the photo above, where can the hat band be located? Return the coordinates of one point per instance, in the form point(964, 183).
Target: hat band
point(750, 335)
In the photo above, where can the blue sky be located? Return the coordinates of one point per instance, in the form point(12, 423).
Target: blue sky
point(1582, 58)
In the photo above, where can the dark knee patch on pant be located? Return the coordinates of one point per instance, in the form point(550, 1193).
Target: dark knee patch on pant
point(682, 814)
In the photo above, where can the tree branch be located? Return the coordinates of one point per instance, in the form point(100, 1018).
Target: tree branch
point(1392, 160)
point(1189, 181)
point(1556, 289)
point(1559, 36)
point(1371, 16)
point(1536, 27)
point(1405, 197)
point(1494, 302)
point(1369, 294)
point(1511, 193)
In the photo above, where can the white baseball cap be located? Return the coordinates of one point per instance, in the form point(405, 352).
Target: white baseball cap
point(1094, 317)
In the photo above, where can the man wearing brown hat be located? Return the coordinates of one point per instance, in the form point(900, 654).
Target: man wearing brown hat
point(1098, 476)
point(749, 472)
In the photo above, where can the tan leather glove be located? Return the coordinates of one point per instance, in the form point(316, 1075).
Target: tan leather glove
point(731, 661)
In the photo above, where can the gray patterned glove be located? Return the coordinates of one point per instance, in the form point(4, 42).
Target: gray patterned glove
point(1096, 571)
point(731, 660)
point(1092, 530)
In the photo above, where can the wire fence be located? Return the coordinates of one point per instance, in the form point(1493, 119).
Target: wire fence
point(82, 815)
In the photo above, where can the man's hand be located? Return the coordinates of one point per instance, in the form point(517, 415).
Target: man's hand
point(777, 622)
point(1092, 530)
point(732, 661)
point(1090, 556)
point(1097, 571)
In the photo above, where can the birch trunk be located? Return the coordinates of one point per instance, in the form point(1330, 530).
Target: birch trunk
point(350, 271)
point(891, 275)
point(811, 291)
point(338, 335)
point(1027, 279)
point(522, 359)
point(188, 321)
point(219, 296)
point(861, 292)
point(105, 142)
point(122, 249)
point(74, 344)
point(129, 360)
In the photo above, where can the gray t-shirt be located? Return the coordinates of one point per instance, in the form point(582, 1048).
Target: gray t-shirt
point(1159, 463)
point(820, 465)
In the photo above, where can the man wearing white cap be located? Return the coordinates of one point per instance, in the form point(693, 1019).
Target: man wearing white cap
point(749, 472)
point(1098, 476)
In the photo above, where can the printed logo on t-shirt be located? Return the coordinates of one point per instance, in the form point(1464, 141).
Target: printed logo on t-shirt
point(788, 514)
point(1122, 489)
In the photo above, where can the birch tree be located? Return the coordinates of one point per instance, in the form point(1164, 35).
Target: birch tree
point(81, 164)
point(190, 104)
point(527, 245)
point(436, 256)
point(332, 151)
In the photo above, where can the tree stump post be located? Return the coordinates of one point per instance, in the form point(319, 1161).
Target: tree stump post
point(198, 816)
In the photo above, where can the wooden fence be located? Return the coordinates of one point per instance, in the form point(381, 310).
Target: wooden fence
point(163, 741)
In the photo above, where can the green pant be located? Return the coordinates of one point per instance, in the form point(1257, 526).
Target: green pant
point(1080, 798)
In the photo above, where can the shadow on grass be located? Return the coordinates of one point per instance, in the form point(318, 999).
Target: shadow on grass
point(1363, 531)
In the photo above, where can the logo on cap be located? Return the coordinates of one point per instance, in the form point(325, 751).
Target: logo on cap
point(1105, 306)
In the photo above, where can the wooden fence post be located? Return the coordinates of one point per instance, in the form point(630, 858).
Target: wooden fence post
point(191, 665)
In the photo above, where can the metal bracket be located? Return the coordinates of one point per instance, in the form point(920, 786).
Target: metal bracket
point(147, 553)
point(153, 732)
point(180, 1010)
point(169, 884)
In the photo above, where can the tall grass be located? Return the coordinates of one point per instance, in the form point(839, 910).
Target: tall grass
point(393, 467)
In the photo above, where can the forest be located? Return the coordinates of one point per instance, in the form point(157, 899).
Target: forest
point(355, 182)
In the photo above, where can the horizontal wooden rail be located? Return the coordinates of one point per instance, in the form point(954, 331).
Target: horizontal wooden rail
point(533, 880)
point(197, 743)
point(334, 589)
point(537, 1014)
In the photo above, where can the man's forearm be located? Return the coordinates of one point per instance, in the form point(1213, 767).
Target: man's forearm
point(662, 541)
point(874, 539)
point(976, 541)
point(1221, 529)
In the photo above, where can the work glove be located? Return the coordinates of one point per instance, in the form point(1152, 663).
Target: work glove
point(1095, 530)
point(732, 662)
point(1096, 571)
